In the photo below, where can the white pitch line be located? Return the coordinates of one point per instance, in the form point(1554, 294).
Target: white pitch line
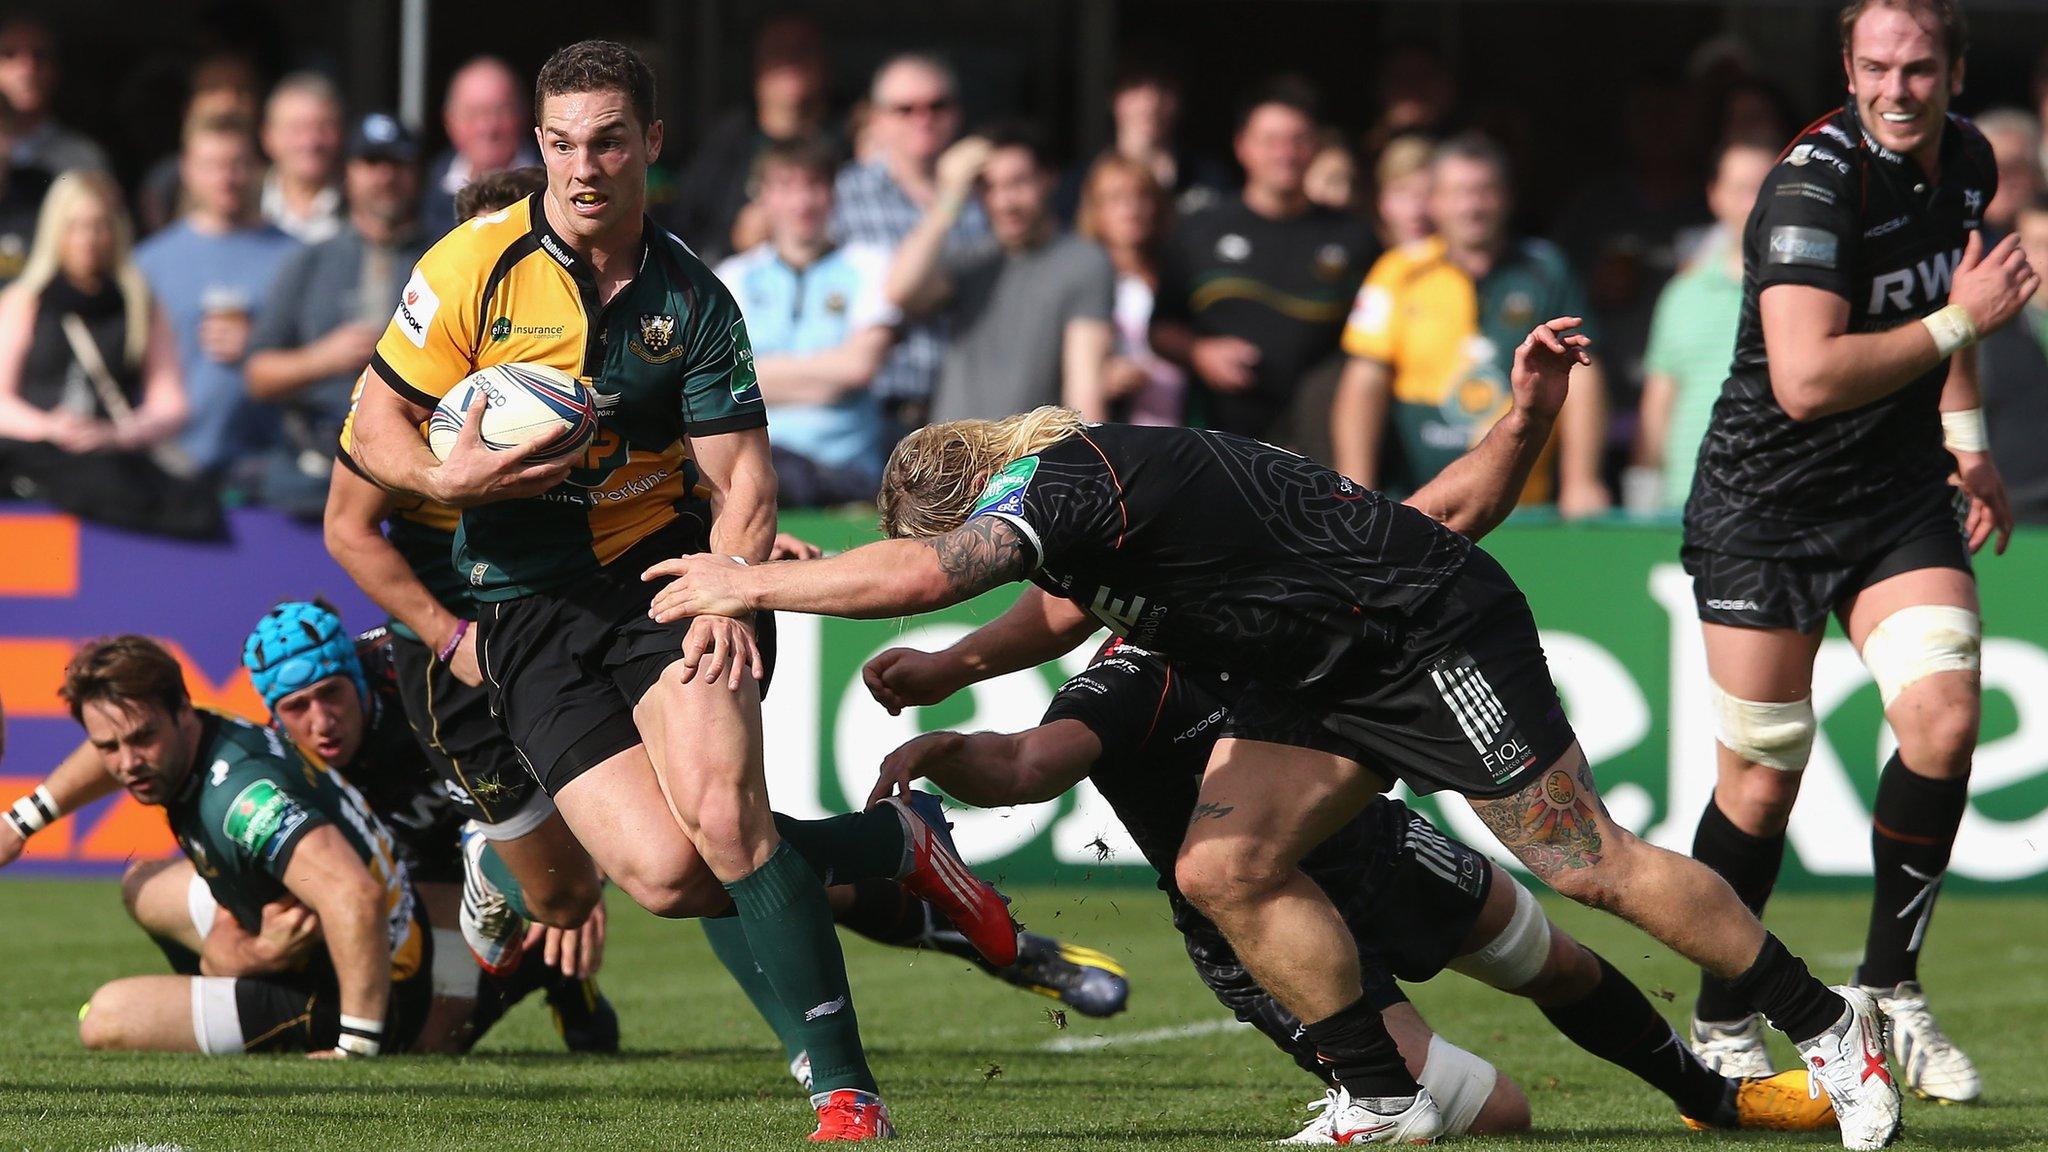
point(1148, 1036)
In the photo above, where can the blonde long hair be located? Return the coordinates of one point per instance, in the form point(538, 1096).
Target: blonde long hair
point(934, 475)
point(44, 263)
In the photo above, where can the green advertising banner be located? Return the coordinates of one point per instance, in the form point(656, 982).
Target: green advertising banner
point(1624, 648)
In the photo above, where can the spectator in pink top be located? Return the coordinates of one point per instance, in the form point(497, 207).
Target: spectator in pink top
point(1125, 210)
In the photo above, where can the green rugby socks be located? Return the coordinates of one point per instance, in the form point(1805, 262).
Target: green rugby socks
point(500, 875)
point(789, 929)
point(728, 939)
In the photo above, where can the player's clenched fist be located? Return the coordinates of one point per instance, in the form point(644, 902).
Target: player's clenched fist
point(905, 678)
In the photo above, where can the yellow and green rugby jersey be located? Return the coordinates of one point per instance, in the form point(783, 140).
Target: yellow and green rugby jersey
point(249, 803)
point(668, 359)
point(1449, 343)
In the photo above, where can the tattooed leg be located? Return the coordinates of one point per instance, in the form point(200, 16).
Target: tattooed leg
point(1558, 827)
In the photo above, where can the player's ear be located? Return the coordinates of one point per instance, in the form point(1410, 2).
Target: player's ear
point(1955, 78)
point(654, 137)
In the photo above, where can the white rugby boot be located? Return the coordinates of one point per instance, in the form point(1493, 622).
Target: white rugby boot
point(1734, 1050)
point(1928, 1060)
point(1344, 1119)
point(1847, 1061)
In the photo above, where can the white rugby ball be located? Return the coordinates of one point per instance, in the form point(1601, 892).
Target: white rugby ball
point(523, 403)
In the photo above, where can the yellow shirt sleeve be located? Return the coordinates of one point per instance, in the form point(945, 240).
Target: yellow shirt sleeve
point(430, 344)
point(1370, 333)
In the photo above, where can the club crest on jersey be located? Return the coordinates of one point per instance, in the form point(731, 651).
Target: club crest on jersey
point(1005, 490)
point(657, 342)
point(1973, 204)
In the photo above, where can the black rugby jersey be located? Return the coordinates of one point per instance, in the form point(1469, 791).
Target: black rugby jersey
point(389, 768)
point(1841, 213)
point(1223, 552)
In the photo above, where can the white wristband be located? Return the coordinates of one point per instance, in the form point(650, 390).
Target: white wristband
point(360, 1036)
point(1952, 330)
point(1964, 431)
point(34, 812)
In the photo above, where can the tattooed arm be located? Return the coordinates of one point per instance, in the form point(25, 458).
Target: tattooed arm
point(1553, 825)
point(879, 580)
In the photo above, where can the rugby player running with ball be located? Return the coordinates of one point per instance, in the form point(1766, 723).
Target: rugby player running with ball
point(646, 734)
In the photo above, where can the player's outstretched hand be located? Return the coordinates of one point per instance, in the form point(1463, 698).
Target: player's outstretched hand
point(474, 474)
point(787, 547)
point(1993, 286)
point(1543, 365)
point(902, 678)
point(704, 585)
point(719, 647)
point(1990, 512)
point(909, 763)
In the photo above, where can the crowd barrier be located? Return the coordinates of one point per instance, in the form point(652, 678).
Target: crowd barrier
point(1615, 607)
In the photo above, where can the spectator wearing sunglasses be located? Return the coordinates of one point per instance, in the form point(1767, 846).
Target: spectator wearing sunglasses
point(916, 115)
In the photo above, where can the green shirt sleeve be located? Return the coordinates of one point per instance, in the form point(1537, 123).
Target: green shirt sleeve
point(1659, 356)
point(258, 813)
point(720, 391)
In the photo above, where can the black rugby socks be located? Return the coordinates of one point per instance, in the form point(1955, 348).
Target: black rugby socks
point(885, 912)
point(1617, 1023)
point(1912, 833)
point(1750, 865)
point(1361, 1053)
point(855, 846)
point(1789, 996)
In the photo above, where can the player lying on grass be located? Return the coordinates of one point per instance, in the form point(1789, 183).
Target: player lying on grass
point(1370, 639)
point(332, 696)
point(260, 822)
point(335, 698)
point(1415, 900)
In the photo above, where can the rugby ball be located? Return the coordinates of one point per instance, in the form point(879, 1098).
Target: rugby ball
point(523, 403)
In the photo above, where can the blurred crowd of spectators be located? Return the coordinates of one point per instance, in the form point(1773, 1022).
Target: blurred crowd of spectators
point(1354, 292)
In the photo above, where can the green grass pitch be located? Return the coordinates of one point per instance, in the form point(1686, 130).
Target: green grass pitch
point(965, 1061)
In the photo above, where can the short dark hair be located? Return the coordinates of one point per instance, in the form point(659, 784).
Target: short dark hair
point(126, 671)
point(499, 190)
point(1476, 147)
point(1955, 29)
point(1019, 134)
point(1288, 92)
point(597, 66)
point(811, 155)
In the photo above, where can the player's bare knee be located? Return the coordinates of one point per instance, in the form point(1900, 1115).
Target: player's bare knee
point(1506, 1110)
point(1219, 877)
point(99, 1026)
point(135, 877)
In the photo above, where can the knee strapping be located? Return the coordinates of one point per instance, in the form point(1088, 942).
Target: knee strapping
point(1515, 957)
point(216, 1017)
point(1919, 641)
point(1775, 734)
point(1460, 1081)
